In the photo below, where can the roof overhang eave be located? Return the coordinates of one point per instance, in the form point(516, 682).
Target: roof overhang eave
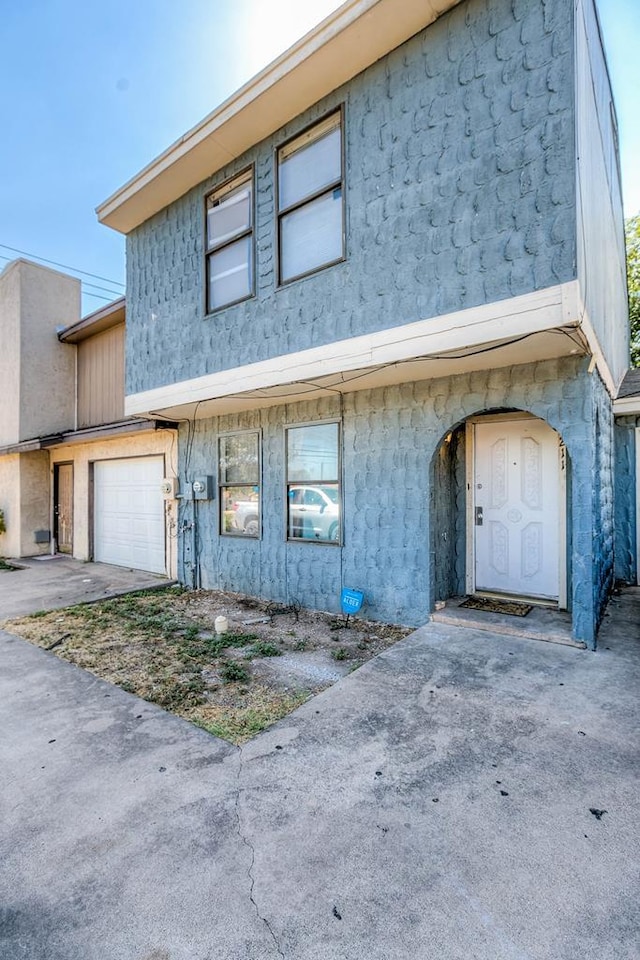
point(349, 40)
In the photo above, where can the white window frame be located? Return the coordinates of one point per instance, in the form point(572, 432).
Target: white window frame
point(223, 485)
point(314, 132)
point(212, 248)
point(339, 541)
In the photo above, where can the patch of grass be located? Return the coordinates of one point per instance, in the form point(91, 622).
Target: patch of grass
point(160, 645)
point(175, 695)
point(232, 672)
point(239, 724)
point(262, 648)
point(196, 647)
point(4, 565)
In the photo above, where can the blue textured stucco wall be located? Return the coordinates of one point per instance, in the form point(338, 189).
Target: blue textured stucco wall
point(626, 520)
point(603, 494)
point(460, 190)
point(390, 464)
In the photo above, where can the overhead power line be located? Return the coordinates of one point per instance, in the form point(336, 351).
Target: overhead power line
point(115, 294)
point(98, 296)
point(64, 266)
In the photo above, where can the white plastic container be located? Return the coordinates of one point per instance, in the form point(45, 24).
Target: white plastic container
point(221, 625)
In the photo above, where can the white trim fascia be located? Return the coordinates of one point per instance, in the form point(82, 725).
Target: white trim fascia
point(596, 351)
point(521, 316)
point(627, 406)
point(345, 43)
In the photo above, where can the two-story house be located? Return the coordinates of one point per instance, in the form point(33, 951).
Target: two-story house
point(381, 288)
point(76, 475)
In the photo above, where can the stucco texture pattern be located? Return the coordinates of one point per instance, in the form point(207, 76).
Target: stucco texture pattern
point(626, 481)
point(460, 191)
point(391, 517)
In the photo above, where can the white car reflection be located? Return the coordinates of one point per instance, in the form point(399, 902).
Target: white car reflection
point(314, 513)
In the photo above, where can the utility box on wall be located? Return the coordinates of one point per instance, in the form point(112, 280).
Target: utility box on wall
point(203, 488)
point(170, 488)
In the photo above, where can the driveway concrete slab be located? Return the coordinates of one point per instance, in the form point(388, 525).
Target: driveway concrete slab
point(50, 583)
point(463, 795)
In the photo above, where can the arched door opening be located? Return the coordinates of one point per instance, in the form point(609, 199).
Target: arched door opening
point(499, 510)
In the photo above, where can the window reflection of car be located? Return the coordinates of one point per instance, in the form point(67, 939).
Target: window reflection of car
point(245, 517)
point(314, 513)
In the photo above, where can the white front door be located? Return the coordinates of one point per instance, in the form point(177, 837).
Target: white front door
point(516, 511)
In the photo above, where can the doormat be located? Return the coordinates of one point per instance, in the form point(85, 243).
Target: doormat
point(511, 608)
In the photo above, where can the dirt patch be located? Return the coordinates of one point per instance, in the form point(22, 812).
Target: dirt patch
point(162, 646)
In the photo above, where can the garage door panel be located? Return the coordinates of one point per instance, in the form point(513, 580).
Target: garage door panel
point(129, 520)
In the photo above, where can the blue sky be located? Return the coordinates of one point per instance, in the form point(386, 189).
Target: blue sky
point(91, 92)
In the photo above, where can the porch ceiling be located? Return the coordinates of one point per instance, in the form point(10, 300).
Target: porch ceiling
point(545, 345)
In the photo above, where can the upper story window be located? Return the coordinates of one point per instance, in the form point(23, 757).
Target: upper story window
point(229, 242)
point(311, 200)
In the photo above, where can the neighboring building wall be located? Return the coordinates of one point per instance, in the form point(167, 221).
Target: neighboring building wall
point(10, 503)
point(460, 190)
point(35, 502)
point(390, 439)
point(601, 247)
point(9, 359)
point(101, 378)
point(37, 372)
point(24, 498)
point(48, 300)
point(626, 498)
point(82, 455)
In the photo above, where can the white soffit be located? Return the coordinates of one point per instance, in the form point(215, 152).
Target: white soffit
point(536, 326)
point(349, 40)
point(627, 406)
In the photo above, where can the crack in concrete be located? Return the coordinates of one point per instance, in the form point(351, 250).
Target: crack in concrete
point(251, 848)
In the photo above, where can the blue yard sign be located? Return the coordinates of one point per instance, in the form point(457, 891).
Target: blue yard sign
point(351, 600)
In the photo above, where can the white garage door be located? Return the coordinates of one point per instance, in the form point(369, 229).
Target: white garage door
point(128, 510)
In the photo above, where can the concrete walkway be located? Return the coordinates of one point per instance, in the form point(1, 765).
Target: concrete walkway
point(464, 795)
point(49, 583)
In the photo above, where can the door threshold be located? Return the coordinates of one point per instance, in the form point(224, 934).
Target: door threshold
point(518, 598)
point(542, 623)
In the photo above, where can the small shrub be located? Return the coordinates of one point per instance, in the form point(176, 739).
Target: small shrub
point(339, 654)
point(232, 672)
point(230, 639)
point(187, 692)
point(265, 649)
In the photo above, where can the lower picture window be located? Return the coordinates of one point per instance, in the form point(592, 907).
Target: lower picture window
point(239, 484)
point(313, 486)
